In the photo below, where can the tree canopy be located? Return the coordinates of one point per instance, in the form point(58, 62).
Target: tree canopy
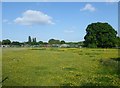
point(6, 42)
point(62, 42)
point(53, 41)
point(16, 43)
point(100, 35)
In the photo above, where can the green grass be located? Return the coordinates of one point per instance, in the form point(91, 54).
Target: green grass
point(60, 67)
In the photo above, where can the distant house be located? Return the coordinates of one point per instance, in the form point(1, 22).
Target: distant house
point(64, 46)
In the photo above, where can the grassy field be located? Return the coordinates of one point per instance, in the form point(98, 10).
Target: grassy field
point(60, 67)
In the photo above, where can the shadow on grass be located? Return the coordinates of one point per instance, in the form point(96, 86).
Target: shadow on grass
point(110, 66)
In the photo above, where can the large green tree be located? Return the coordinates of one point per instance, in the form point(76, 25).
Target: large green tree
point(100, 35)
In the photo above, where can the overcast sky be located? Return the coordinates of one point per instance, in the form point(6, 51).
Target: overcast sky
point(59, 20)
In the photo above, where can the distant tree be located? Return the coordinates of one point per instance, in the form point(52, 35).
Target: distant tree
point(34, 41)
point(29, 39)
point(53, 41)
point(57, 41)
point(100, 35)
point(62, 42)
point(15, 43)
point(45, 43)
point(6, 42)
point(22, 43)
point(40, 42)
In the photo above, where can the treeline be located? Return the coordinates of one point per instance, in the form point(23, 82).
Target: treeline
point(98, 35)
point(33, 41)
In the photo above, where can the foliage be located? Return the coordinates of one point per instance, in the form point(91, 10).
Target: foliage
point(29, 39)
point(6, 42)
point(32, 41)
point(40, 42)
point(15, 43)
point(100, 35)
point(53, 41)
point(62, 42)
point(45, 43)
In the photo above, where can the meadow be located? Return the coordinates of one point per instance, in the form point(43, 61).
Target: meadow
point(60, 67)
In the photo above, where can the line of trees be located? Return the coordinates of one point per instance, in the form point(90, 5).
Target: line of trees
point(33, 41)
point(98, 35)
